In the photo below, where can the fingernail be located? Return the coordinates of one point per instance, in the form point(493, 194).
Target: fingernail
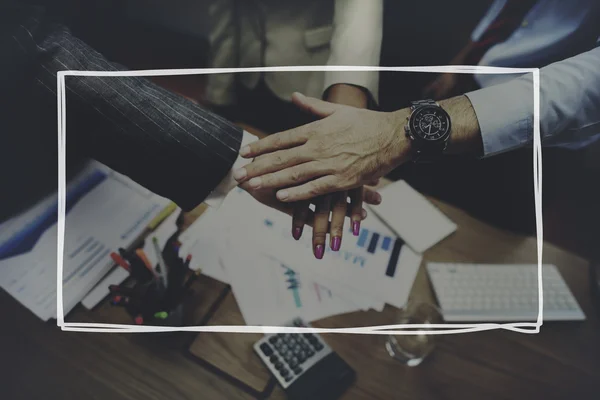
point(319, 251)
point(378, 198)
point(297, 233)
point(363, 214)
point(282, 195)
point(355, 228)
point(255, 183)
point(244, 151)
point(239, 174)
point(336, 242)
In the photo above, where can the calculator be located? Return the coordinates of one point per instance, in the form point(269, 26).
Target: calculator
point(304, 365)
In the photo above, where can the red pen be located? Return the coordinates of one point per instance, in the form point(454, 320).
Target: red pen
point(120, 261)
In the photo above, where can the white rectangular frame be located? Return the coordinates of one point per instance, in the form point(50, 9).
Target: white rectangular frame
point(521, 327)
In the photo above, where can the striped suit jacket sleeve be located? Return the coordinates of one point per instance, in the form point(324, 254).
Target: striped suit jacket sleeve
point(161, 140)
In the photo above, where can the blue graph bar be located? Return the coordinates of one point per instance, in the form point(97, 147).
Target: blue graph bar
point(387, 241)
point(362, 239)
point(373, 243)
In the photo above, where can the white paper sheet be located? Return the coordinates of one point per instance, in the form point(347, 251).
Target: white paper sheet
point(110, 216)
point(364, 271)
point(204, 241)
point(270, 293)
point(412, 217)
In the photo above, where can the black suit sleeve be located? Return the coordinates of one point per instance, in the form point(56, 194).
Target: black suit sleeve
point(161, 140)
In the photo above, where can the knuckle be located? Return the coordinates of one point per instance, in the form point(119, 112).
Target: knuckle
point(319, 235)
point(295, 175)
point(277, 160)
point(314, 191)
point(336, 230)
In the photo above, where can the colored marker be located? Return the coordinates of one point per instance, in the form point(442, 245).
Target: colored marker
point(161, 315)
point(161, 261)
point(120, 262)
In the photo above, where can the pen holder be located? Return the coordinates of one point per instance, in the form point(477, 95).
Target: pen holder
point(157, 297)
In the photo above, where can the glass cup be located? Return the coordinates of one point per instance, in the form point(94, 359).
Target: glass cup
point(411, 349)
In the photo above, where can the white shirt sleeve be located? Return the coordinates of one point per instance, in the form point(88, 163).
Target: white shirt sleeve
point(216, 197)
point(569, 107)
point(358, 31)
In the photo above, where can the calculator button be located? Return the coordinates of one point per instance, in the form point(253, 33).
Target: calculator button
point(266, 349)
point(274, 358)
point(284, 348)
point(297, 370)
point(318, 347)
point(292, 364)
point(308, 335)
point(273, 339)
point(289, 378)
point(284, 371)
point(278, 365)
point(310, 353)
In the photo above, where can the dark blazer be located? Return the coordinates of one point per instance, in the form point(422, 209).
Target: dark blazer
point(161, 140)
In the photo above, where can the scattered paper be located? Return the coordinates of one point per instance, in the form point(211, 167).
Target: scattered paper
point(109, 216)
point(412, 217)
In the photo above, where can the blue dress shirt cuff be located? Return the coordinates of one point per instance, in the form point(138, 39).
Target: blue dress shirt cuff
point(505, 116)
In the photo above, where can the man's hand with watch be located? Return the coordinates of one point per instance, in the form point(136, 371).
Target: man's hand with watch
point(350, 147)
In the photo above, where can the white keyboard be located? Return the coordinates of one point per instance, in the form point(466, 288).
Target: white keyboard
point(501, 293)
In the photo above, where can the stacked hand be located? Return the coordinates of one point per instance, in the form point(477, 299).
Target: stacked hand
point(325, 162)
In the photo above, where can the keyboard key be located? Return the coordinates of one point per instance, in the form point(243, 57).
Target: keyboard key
point(266, 349)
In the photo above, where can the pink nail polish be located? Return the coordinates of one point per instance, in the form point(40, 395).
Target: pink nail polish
point(297, 233)
point(319, 251)
point(336, 242)
point(355, 228)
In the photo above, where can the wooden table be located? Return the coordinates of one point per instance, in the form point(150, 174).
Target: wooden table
point(38, 360)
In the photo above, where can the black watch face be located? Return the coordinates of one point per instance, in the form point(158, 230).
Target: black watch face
point(430, 123)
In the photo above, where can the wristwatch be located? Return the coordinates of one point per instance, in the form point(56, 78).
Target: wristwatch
point(428, 129)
